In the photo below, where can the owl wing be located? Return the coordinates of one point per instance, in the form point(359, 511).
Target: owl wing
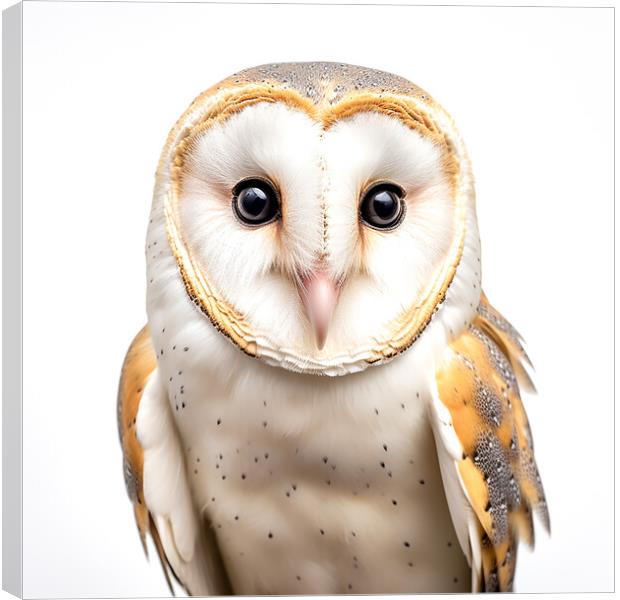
point(154, 469)
point(485, 447)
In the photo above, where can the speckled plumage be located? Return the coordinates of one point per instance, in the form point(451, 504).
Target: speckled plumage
point(327, 82)
point(409, 468)
point(477, 384)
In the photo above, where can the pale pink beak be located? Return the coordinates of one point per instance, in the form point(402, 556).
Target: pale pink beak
point(319, 294)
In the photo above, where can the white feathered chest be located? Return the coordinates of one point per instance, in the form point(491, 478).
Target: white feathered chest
point(314, 485)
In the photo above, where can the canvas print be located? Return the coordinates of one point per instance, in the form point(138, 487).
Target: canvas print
point(321, 377)
point(294, 308)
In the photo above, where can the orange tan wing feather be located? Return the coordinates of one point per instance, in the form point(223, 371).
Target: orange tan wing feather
point(139, 364)
point(478, 383)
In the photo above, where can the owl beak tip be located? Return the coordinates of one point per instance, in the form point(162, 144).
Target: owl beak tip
point(320, 337)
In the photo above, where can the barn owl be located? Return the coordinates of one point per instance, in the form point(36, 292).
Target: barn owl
point(324, 401)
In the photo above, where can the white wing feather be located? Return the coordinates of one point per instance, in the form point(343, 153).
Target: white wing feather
point(189, 548)
point(449, 451)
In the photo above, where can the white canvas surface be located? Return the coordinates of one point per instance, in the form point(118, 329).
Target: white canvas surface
point(531, 92)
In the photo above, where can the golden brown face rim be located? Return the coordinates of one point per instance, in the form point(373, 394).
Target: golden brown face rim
point(406, 328)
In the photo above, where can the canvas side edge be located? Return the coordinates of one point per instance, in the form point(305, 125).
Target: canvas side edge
point(12, 547)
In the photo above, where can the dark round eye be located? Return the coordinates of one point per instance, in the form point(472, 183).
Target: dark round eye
point(255, 202)
point(382, 206)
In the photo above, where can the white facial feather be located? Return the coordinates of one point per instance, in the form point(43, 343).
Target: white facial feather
point(320, 176)
point(266, 140)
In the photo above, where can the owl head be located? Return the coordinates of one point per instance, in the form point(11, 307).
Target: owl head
point(320, 215)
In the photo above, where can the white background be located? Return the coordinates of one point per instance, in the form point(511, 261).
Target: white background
point(531, 91)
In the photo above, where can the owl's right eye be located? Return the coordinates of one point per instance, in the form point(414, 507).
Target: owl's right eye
point(256, 202)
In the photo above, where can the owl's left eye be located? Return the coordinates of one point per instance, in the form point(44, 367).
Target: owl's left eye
point(382, 206)
point(255, 202)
